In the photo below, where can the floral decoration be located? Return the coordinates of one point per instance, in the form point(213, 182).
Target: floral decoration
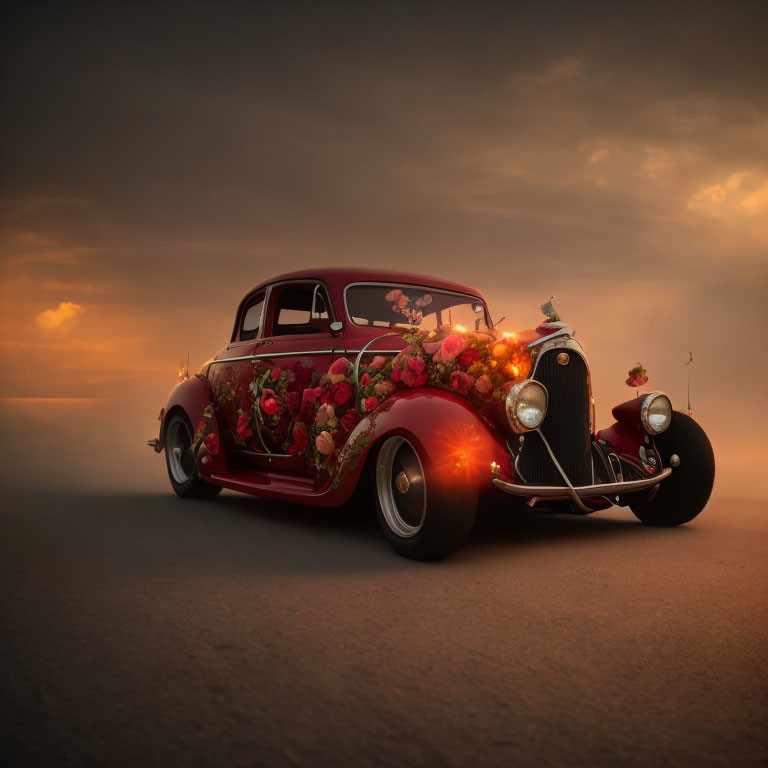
point(638, 376)
point(300, 411)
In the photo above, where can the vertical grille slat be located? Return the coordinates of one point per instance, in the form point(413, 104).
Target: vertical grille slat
point(566, 425)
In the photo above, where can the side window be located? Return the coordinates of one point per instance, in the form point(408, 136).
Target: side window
point(252, 318)
point(300, 308)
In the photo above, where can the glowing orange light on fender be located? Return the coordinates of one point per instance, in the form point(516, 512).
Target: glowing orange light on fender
point(460, 328)
point(459, 454)
point(508, 335)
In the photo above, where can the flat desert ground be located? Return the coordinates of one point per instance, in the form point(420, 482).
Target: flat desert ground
point(145, 629)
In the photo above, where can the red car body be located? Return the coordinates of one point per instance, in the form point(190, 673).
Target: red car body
point(317, 377)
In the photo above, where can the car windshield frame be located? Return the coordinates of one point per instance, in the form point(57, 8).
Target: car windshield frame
point(471, 299)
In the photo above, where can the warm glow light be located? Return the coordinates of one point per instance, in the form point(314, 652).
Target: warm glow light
point(508, 335)
point(460, 328)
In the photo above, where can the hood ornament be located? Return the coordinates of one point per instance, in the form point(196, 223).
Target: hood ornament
point(549, 311)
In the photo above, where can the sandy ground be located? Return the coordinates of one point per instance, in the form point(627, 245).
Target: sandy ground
point(143, 629)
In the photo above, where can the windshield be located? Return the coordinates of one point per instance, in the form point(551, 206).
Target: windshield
point(387, 305)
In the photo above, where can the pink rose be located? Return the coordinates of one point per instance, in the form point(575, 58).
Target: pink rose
point(452, 345)
point(338, 369)
point(326, 414)
point(325, 443)
point(383, 388)
point(402, 302)
point(371, 403)
point(268, 402)
point(414, 373)
point(462, 382)
point(379, 361)
point(393, 295)
point(484, 384)
point(637, 376)
point(430, 347)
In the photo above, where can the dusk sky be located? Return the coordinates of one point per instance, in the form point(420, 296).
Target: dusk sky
point(159, 160)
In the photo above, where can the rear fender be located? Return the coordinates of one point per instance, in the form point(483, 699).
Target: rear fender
point(193, 396)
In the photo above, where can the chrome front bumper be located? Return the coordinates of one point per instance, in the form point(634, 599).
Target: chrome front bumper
point(576, 493)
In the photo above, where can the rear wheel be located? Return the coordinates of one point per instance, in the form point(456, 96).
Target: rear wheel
point(686, 491)
point(180, 460)
point(421, 518)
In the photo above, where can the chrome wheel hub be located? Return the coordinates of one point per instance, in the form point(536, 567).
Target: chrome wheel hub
point(401, 487)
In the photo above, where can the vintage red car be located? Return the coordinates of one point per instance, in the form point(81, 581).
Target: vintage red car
point(334, 377)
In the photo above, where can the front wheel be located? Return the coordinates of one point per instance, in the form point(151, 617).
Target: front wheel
point(180, 459)
point(686, 491)
point(422, 518)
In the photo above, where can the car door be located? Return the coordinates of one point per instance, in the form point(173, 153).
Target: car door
point(296, 350)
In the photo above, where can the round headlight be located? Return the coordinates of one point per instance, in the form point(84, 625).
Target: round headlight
point(526, 405)
point(656, 413)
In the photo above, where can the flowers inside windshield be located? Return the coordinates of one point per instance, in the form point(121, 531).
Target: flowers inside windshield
point(385, 306)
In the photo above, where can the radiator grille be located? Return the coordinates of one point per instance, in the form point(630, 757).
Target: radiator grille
point(566, 425)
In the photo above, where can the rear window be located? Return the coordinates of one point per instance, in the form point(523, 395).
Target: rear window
point(387, 305)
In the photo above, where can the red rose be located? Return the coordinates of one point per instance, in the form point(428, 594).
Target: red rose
point(292, 401)
point(462, 382)
point(365, 379)
point(268, 403)
point(244, 430)
point(275, 374)
point(211, 441)
point(370, 403)
point(299, 439)
point(467, 357)
point(201, 425)
point(340, 393)
point(350, 419)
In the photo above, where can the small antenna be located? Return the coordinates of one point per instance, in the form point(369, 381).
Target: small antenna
point(690, 365)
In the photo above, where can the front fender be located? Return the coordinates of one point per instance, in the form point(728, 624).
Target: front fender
point(448, 433)
point(192, 395)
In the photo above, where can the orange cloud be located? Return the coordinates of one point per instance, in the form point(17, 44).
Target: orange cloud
point(60, 319)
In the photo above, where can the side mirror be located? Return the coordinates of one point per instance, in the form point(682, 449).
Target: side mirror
point(336, 327)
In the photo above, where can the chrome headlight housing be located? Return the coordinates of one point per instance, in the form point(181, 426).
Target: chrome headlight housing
point(656, 413)
point(526, 405)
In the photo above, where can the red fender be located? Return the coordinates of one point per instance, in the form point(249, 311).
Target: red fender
point(443, 427)
point(193, 396)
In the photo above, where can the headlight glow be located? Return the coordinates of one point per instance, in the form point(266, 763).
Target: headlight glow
point(526, 405)
point(656, 413)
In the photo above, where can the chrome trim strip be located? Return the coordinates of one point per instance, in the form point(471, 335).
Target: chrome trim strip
point(267, 355)
point(582, 491)
point(356, 370)
point(265, 455)
point(572, 493)
point(396, 283)
point(551, 336)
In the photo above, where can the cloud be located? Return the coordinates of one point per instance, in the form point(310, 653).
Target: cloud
point(63, 318)
point(741, 193)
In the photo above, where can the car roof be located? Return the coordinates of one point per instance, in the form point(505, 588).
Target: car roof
point(338, 278)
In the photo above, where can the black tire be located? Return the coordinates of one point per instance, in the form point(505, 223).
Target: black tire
point(686, 492)
point(421, 517)
point(180, 461)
